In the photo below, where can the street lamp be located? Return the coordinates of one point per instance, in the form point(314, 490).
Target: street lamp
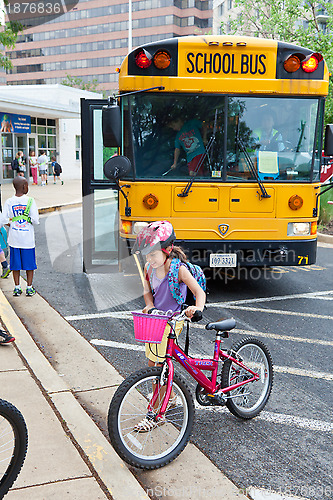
point(129, 25)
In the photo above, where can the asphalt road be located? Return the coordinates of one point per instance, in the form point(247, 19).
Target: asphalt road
point(288, 448)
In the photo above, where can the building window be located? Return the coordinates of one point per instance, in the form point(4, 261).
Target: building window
point(229, 4)
point(221, 9)
point(77, 147)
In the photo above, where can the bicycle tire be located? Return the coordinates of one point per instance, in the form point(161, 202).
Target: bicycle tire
point(13, 444)
point(160, 445)
point(248, 400)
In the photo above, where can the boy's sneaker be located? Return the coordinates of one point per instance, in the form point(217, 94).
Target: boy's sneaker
point(5, 272)
point(30, 291)
point(5, 338)
point(17, 292)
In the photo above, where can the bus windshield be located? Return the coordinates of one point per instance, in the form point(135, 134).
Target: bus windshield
point(224, 138)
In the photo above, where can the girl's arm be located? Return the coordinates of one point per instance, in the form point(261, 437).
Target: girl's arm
point(147, 293)
point(200, 296)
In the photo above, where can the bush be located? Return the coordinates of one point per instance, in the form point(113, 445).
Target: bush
point(326, 210)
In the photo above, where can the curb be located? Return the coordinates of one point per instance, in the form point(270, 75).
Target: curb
point(56, 208)
point(111, 470)
point(325, 238)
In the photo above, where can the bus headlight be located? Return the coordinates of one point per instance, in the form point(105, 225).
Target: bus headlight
point(298, 228)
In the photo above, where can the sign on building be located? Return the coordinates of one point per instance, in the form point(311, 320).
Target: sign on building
point(18, 124)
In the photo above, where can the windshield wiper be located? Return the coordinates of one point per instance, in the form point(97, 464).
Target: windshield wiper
point(253, 169)
point(209, 146)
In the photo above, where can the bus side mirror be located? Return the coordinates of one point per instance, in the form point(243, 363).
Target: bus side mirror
point(111, 126)
point(117, 167)
point(328, 144)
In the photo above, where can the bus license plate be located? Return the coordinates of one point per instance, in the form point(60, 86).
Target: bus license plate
point(223, 260)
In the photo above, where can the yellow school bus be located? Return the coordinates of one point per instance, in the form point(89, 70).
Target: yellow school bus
point(224, 137)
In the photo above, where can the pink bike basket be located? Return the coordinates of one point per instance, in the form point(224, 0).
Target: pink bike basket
point(149, 327)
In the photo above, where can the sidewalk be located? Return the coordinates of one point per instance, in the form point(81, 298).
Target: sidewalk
point(51, 196)
point(63, 387)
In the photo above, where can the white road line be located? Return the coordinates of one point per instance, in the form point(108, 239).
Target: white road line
point(310, 295)
point(289, 338)
point(278, 311)
point(117, 315)
point(279, 418)
point(277, 369)
point(128, 315)
point(303, 373)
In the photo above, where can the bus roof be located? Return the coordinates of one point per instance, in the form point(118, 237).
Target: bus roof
point(223, 64)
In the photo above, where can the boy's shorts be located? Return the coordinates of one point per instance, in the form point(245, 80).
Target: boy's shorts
point(193, 164)
point(22, 259)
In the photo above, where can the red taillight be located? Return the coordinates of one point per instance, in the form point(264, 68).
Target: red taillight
point(143, 59)
point(310, 64)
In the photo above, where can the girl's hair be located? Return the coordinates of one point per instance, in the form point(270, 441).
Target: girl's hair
point(178, 253)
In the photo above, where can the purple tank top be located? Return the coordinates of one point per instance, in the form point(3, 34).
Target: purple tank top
point(163, 300)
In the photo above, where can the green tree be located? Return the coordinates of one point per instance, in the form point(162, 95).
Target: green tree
point(294, 21)
point(79, 83)
point(8, 36)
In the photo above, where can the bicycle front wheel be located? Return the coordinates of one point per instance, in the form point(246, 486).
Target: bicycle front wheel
point(249, 399)
point(138, 445)
point(13, 444)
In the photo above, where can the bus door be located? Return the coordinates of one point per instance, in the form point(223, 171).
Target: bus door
point(100, 196)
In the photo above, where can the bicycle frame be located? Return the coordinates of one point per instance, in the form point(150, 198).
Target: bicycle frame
point(195, 367)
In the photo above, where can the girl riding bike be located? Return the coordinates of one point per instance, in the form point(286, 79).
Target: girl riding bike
point(156, 243)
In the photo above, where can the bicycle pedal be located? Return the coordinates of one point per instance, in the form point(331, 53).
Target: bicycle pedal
point(217, 399)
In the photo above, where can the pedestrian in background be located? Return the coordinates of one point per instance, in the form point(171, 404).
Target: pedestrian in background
point(21, 169)
point(33, 167)
point(42, 161)
point(57, 170)
point(21, 213)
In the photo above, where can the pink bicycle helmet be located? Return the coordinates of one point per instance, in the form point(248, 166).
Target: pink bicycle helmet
point(156, 236)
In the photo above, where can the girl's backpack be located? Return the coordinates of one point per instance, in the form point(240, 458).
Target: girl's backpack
point(3, 241)
point(14, 164)
point(196, 272)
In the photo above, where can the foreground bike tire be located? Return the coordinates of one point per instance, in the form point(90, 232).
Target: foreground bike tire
point(13, 444)
point(248, 400)
point(128, 407)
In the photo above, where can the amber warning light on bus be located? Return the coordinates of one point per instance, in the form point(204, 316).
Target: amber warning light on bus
point(161, 59)
point(309, 64)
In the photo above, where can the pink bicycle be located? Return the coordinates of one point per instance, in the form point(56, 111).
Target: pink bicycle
point(161, 399)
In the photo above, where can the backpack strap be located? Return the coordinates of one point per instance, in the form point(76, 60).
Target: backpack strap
point(25, 215)
point(149, 276)
point(174, 281)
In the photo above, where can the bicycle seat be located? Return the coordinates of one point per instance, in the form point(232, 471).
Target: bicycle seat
point(222, 326)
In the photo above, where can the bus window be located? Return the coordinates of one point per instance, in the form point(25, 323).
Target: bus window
point(276, 135)
point(277, 131)
point(160, 124)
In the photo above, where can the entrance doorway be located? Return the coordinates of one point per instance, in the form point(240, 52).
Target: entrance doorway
point(21, 144)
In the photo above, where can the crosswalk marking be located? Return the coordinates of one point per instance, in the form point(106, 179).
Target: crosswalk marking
point(277, 369)
point(309, 295)
point(128, 315)
point(279, 418)
point(277, 311)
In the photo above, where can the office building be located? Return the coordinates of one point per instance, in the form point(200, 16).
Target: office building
point(90, 41)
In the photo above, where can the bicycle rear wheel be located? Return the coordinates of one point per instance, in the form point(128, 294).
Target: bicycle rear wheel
point(163, 443)
point(13, 444)
point(249, 399)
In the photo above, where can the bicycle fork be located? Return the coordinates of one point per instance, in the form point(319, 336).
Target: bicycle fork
point(165, 380)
